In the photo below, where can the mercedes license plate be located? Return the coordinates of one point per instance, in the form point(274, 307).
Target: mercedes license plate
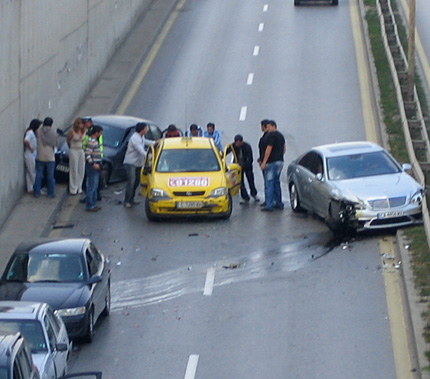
point(390, 214)
point(189, 204)
point(62, 168)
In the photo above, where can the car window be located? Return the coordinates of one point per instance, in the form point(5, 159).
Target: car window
point(112, 137)
point(154, 132)
point(25, 363)
point(18, 268)
point(52, 338)
point(361, 165)
point(53, 321)
point(312, 162)
point(94, 261)
point(55, 267)
point(187, 160)
point(31, 330)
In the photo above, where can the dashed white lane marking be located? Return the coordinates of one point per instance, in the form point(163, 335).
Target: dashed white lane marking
point(193, 360)
point(209, 284)
point(260, 27)
point(266, 7)
point(250, 79)
point(242, 116)
point(256, 50)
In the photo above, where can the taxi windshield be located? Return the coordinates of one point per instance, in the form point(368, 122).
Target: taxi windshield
point(187, 160)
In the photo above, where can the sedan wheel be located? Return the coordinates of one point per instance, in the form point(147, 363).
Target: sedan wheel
point(148, 212)
point(106, 309)
point(89, 337)
point(294, 199)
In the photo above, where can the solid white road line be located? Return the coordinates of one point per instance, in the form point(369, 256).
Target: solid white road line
point(209, 284)
point(256, 51)
point(243, 111)
point(260, 27)
point(250, 79)
point(193, 360)
point(266, 7)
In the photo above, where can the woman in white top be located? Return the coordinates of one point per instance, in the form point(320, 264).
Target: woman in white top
point(30, 151)
point(76, 157)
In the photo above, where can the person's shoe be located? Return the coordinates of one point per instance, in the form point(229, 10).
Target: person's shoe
point(51, 196)
point(127, 205)
point(83, 199)
point(256, 198)
point(135, 202)
point(43, 191)
point(244, 202)
point(36, 196)
point(279, 207)
point(263, 204)
point(267, 210)
point(95, 209)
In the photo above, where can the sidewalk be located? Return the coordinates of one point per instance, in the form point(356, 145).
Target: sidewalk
point(32, 218)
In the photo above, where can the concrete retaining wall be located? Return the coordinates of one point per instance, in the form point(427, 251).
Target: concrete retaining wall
point(52, 51)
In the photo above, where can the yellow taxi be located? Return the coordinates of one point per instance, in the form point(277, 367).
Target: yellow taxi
point(188, 176)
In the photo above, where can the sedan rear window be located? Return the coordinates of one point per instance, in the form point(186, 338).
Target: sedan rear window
point(188, 160)
point(361, 165)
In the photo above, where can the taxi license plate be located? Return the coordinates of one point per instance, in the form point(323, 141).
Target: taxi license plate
point(62, 168)
point(390, 214)
point(189, 204)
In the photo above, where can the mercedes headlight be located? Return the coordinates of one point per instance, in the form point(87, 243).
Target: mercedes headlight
point(417, 197)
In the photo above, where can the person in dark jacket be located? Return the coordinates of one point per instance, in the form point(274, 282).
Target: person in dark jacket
point(243, 151)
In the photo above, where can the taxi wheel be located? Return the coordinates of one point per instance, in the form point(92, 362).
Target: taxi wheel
point(227, 214)
point(148, 212)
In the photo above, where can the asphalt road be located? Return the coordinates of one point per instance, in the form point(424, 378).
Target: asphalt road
point(260, 295)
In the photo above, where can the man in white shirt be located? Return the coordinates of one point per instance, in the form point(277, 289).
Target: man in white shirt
point(133, 161)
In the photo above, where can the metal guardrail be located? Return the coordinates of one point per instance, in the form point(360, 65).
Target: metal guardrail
point(412, 119)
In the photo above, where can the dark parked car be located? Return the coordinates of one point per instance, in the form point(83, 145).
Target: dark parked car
point(16, 361)
point(71, 275)
point(332, 2)
point(117, 130)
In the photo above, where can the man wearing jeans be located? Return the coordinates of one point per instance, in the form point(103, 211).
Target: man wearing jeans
point(47, 140)
point(272, 165)
point(133, 161)
point(93, 165)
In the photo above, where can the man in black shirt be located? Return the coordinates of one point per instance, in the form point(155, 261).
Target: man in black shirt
point(244, 154)
point(272, 165)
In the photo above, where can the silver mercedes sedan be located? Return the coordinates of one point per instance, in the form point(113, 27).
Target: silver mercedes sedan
point(354, 186)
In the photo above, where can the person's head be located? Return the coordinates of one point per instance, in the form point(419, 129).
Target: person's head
point(271, 126)
point(78, 125)
point(88, 122)
point(141, 128)
point(210, 127)
point(263, 124)
point(34, 124)
point(48, 121)
point(172, 131)
point(194, 130)
point(95, 132)
point(238, 140)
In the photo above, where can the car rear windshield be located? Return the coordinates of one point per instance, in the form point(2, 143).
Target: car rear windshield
point(31, 330)
point(50, 267)
point(361, 165)
point(187, 160)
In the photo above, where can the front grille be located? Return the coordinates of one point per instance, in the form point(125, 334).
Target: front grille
point(189, 193)
point(392, 202)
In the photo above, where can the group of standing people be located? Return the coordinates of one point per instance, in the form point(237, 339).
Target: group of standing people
point(272, 148)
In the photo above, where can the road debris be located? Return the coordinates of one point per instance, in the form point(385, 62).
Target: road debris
point(66, 226)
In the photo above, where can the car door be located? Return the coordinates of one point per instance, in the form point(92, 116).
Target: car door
point(145, 175)
point(320, 188)
point(303, 178)
point(233, 170)
point(58, 334)
point(96, 266)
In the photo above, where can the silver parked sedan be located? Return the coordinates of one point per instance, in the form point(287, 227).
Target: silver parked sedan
point(354, 185)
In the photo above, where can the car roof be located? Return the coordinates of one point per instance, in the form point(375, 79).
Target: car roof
point(187, 143)
point(347, 148)
point(44, 245)
point(21, 310)
point(117, 121)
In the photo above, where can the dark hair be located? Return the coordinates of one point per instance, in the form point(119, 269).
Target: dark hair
point(238, 137)
point(95, 129)
point(48, 121)
point(264, 122)
point(171, 128)
point(272, 122)
point(210, 124)
point(34, 124)
point(193, 127)
point(140, 126)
